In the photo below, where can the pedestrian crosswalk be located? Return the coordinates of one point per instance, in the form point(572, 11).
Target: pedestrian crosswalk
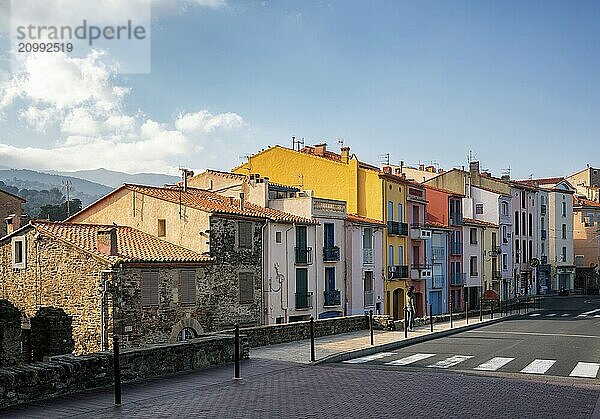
point(589, 314)
point(502, 364)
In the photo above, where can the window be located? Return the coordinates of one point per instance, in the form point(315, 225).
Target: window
point(517, 252)
point(478, 208)
point(19, 252)
point(564, 231)
point(531, 248)
point(400, 213)
point(150, 289)
point(162, 228)
point(473, 236)
point(278, 237)
point(400, 255)
point(564, 209)
point(416, 255)
point(516, 222)
point(579, 261)
point(390, 211)
point(473, 266)
point(186, 333)
point(504, 234)
point(523, 224)
point(187, 287)
point(530, 224)
point(369, 301)
point(328, 235)
point(543, 222)
point(391, 256)
point(543, 249)
point(504, 261)
point(564, 254)
point(523, 201)
point(524, 249)
point(416, 215)
point(504, 207)
point(368, 238)
point(494, 240)
point(245, 235)
point(246, 283)
point(330, 279)
point(302, 297)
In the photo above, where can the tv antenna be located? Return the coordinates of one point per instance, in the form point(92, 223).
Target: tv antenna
point(66, 184)
point(297, 143)
point(385, 158)
point(340, 142)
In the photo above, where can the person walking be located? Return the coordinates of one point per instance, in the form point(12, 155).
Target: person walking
point(410, 308)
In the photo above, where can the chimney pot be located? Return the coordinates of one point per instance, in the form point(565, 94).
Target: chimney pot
point(242, 201)
point(422, 167)
point(387, 169)
point(107, 241)
point(474, 167)
point(320, 149)
point(345, 154)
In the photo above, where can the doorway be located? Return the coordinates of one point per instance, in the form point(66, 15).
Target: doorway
point(398, 304)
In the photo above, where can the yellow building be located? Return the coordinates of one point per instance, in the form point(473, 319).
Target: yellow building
point(367, 190)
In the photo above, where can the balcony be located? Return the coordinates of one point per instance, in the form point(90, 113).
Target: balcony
point(332, 298)
point(418, 232)
point(396, 228)
point(457, 278)
point(303, 300)
point(331, 254)
point(496, 275)
point(367, 256)
point(397, 272)
point(418, 272)
point(369, 299)
point(496, 251)
point(543, 234)
point(455, 248)
point(456, 219)
point(438, 281)
point(303, 255)
point(542, 209)
point(438, 252)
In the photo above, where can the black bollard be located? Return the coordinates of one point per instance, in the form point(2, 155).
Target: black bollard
point(236, 352)
point(526, 304)
point(312, 339)
point(480, 310)
point(492, 311)
point(371, 325)
point(451, 324)
point(431, 317)
point(467, 310)
point(405, 322)
point(117, 370)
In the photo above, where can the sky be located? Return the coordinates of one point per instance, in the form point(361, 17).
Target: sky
point(513, 82)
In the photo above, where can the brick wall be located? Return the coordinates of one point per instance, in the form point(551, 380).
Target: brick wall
point(289, 332)
point(66, 374)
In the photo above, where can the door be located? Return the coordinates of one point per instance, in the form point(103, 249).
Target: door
point(398, 303)
point(301, 245)
point(435, 299)
point(328, 235)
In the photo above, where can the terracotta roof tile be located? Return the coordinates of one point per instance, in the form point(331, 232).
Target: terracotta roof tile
point(132, 245)
point(542, 181)
point(580, 201)
point(360, 219)
point(214, 203)
point(479, 223)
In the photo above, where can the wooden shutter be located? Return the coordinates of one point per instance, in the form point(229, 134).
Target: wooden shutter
point(149, 289)
point(244, 235)
point(246, 280)
point(187, 287)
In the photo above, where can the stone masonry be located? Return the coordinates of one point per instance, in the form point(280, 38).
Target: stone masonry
point(10, 334)
point(51, 333)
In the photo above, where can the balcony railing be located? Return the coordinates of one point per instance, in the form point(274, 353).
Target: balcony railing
point(332, 298)
point(457, 278)
point(368, 256)
point(455, 248)
point(438, 281)
point(331, 254)
point(303, 300)
point(543, 234)
point(303, 255)
point(369, 299)
point(456, 219)
point(396, 228)
point(398, 272)
point(543, 210)
point(544, 260)
point(438, 252)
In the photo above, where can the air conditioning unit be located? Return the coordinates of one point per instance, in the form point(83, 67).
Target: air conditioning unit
point(425, 234)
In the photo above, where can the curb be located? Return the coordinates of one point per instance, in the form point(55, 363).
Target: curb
point(344, 356)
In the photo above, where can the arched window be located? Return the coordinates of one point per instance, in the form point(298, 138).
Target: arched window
point(186, 333)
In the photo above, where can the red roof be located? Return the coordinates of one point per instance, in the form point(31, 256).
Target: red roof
point(542, 181)
point(360, 219)
point(479, 223)
point(584, 202)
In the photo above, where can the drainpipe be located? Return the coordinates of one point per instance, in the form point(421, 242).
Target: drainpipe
point(104, 278)
point(264, 273)
point(316, 276)
point(287, 275)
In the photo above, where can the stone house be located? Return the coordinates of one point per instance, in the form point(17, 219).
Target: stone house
point(119, 279)
point(11, 212)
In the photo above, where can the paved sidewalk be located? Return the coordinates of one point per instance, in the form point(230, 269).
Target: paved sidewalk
point(325, 346)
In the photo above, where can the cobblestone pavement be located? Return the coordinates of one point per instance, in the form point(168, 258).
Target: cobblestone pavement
point(272, 389)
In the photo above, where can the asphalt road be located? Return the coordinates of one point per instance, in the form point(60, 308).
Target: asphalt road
point(561, 342)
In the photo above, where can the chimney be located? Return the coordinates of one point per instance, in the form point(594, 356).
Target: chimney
point(13, 222)
point(430, 169)
point(474, 167)
point(345, 154)
point(398, 171)
point(320, 149)
point(505, 178)
point(185, 173)
point(422, 167)
point(387, 169)
point(107, 241)
point(242, 201)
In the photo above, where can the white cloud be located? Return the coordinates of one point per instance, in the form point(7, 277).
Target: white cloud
point(79, 121)
point(120, 123)
point(205, 122)
point(39, 119)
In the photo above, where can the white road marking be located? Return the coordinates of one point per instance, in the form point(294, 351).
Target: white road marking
point(368, 358)
point(410, 359)
point(533, 334)
point(591, 311)
point(535, 315)
point(551, 315)
point(582, 315)
point(597, 316)
point(450, 362)
point(539, 366)
point(585, 369)
point(493, 364)
point(565, 315)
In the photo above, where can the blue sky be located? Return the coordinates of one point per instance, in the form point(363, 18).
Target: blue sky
point(515, 82)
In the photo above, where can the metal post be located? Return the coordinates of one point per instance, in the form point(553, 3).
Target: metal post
point(492, 311)
point(117, 370)
point(236, 352)
point(526, 304)
point(451, 325)
point(405, 322)
point(467, 310)
point(371, 325)
point(431, 317)
point(312, 339)
point(480, 310)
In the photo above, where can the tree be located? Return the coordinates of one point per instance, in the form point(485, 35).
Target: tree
point(60, 212)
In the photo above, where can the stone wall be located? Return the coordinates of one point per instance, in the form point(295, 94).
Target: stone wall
point(69, 373)
point(289, 332)
point(51, 333)
point(9, 205)
point(10, 334)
